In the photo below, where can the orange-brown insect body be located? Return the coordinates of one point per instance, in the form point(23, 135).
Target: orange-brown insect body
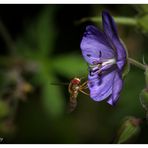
point(74, 87)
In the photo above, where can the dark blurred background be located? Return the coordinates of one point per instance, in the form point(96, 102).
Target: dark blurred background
point(40, 44)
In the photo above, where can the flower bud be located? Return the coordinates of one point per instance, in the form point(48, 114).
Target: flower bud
point(129, 130)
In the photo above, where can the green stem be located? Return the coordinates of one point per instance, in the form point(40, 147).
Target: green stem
point(146, 77)
point(120, 20)
point(137, 64)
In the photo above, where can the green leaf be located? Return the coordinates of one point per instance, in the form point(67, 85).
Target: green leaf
point(46, 30)
point(52, 97)
point(39, 35)
point(70, 65)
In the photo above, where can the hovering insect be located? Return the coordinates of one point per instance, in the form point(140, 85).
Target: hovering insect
point(74, 88)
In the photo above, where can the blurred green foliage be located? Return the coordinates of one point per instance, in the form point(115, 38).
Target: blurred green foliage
point(4, 109)
point(143, 22)
point(37, 44)
point(37, 108)
point(74, 67)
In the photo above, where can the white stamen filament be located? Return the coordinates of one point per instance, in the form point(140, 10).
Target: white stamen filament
point(109, 62)
point(99, 67)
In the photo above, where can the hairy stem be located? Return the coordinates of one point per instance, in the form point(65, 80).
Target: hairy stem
point(137, 64)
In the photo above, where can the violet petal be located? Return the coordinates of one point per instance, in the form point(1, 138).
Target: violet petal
point(110, 30)
point(116, 88)
point(101, 87)
point(94, 45)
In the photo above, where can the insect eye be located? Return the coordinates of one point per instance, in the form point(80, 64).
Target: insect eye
point(76, 82)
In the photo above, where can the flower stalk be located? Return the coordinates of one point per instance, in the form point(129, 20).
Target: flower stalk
point(137, 64)
point(146, 77)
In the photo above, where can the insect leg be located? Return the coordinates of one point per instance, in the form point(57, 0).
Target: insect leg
point(83, 92)
point(69, 88)
point(84, 83)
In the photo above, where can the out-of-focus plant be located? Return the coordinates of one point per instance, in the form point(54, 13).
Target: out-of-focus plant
point(37, 45)
point(31, 54)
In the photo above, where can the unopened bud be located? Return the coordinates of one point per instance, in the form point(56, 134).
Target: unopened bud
point(129, 130)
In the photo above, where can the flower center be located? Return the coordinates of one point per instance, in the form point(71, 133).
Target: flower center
point(99, 67)
point(109, 62)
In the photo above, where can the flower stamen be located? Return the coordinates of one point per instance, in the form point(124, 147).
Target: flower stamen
point(109, 62)
point(99, 67)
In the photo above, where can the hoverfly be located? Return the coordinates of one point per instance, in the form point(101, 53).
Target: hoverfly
point(74, 87)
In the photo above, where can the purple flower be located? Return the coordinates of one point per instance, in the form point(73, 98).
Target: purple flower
point(106, 56)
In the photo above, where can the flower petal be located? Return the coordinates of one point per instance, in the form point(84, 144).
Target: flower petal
point(110, 30)
point(101, 87)
point(116, 88)
point(121, 64)
point(94, 46)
